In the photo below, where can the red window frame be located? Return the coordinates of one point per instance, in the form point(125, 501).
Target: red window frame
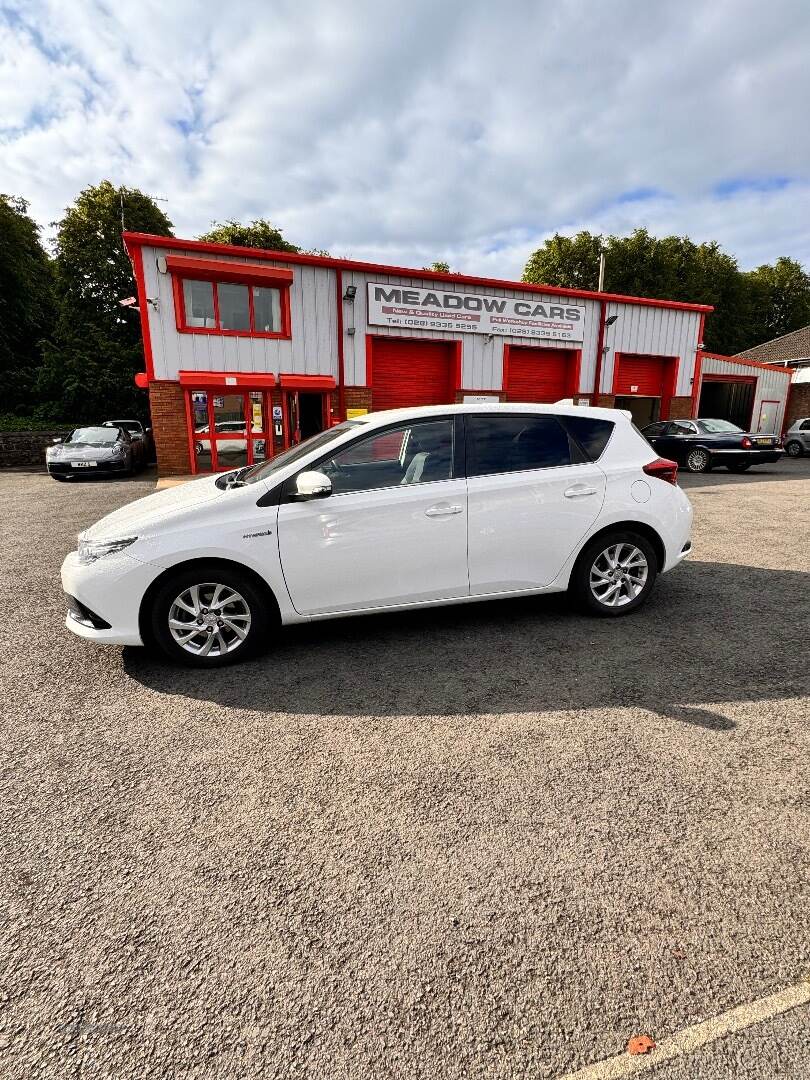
point(222, 273)
point(184, 327)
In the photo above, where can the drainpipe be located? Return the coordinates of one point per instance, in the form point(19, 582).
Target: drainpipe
point(600, 346)
point(341, 366)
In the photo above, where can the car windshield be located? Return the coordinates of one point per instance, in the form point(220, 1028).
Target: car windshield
point(127, 425)
point(94, 436)
point(264, 470)
point(717, 427)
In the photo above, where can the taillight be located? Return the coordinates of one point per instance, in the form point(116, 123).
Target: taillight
point(746, 443)
point(664, 469)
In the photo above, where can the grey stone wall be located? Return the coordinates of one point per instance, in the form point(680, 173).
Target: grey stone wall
point(24, 449)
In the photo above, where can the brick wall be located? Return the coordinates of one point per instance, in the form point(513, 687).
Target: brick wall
point(604, 401)
point(24, 449)
point(680, 408)
point(357, 397)
point(798, 406)
point(168, 407)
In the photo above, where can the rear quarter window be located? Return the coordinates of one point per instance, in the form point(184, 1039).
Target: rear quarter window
point(592, 435)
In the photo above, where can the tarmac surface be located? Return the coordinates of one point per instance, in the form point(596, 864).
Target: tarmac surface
point(497, 840)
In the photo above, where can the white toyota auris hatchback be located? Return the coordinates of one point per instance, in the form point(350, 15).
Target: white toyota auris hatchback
point(399, 509)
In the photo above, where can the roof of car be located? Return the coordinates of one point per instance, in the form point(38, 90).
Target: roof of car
point(388, 416)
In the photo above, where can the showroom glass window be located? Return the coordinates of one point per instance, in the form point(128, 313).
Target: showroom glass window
point(504, 444)
point(232, 307)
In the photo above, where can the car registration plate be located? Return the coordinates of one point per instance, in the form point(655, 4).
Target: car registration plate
point(763, 442)
point(83, 464)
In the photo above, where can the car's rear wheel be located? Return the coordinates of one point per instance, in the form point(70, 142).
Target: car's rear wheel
point(698, 460)
point(614, 573)
point(210, 616)
point(794, 448)
point(739, 468)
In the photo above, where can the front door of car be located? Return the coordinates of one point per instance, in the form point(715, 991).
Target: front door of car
point(676, 440)
point(393, 531)
point(530, 501)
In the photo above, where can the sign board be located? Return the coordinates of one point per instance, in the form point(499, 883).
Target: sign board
point(481, 399)
point(352, 413)
point(276, 412)
point(408, 308)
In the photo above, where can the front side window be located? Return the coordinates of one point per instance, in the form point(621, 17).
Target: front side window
point(402, 456)
point(230, 307)
point(503, 444)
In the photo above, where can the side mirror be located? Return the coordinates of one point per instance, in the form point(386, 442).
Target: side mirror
point(147, 430)
point(55, 441)
point(312, 485)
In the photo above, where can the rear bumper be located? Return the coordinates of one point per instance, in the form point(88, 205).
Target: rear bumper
point(747, 457)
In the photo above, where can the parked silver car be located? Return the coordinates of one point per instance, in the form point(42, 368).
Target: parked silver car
point(95, 451)
point(797, 438)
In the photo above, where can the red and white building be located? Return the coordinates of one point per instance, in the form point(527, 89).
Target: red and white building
point(248, 351)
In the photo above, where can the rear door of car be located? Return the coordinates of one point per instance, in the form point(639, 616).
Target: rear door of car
point(532, 497)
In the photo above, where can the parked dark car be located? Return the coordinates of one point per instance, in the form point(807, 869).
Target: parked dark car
point(95, 451)
point(700, 445)
point(138, 432)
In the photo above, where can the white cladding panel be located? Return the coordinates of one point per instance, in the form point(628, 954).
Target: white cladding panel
point(772, 385)
point(482, 360)
point(654, 331)
point(312, 349)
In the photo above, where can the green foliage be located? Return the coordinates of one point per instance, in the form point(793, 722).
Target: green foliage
point(27, 422)
point(438, 267)
point(26, 301)
point(258, 234)
point(89, 366)
point(749, 307)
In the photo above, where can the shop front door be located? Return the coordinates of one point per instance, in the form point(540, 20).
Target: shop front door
point(229, 428)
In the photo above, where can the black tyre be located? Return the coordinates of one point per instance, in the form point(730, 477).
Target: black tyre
point(794, 448)
point(698, 460)
point(210, 615)
point(614, 574)
point(739, 468)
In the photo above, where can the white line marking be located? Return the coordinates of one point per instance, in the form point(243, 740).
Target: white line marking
point(692, 1038)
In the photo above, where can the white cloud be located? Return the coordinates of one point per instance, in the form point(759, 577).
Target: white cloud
point(458, 131)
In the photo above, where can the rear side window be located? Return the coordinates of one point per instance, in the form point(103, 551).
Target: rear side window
point(593, 435)
point(502, 444)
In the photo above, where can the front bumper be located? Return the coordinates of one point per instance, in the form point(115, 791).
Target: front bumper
point(100, 468)
point(108, 591)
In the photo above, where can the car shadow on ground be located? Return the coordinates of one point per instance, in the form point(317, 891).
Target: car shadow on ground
point(787, 469)
point(711, 633)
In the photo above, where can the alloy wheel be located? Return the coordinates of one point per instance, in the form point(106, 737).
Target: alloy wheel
point(793, 449)
point(697, 461)
point(618, 574)
point(209, 619)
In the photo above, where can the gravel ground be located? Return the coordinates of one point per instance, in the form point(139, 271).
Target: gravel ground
point(490, 841)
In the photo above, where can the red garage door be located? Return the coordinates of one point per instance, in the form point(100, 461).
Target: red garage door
point(645, 375)
point(406, 373)
point(539, 374)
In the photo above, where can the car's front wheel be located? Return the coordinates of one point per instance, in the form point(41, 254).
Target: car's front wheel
point(210, 616)
point(698, 460)
point(794, 448)
point(614, 573)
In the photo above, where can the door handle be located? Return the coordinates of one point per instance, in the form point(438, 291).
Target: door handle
point(578, 490)
point(442, 511)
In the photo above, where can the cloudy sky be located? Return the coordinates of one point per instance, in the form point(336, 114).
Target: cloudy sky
point(465, 131)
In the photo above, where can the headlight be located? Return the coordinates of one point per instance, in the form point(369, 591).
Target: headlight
point(90, 550)
point(118, 450)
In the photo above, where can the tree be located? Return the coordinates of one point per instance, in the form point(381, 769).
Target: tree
point(438, 267)
point(672, 268)
point(778, 299)
point(26, 303)
point(88, 368)
point(258, 234)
